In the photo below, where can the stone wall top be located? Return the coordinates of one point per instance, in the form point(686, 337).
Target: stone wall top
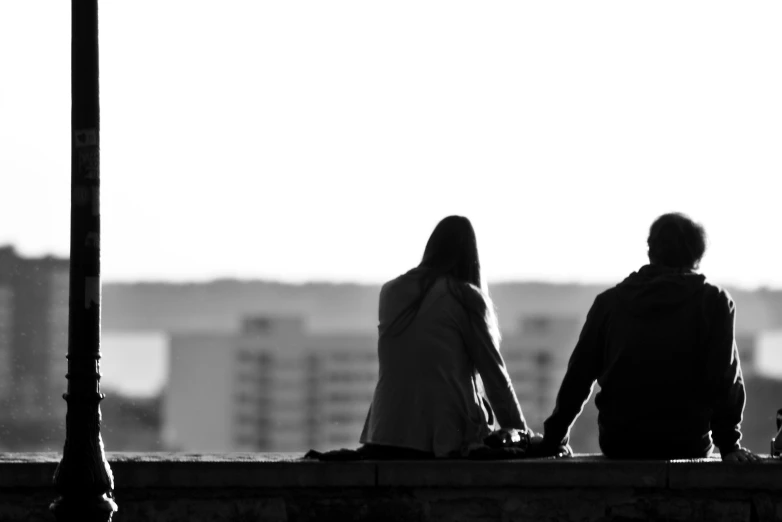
point(285, 470)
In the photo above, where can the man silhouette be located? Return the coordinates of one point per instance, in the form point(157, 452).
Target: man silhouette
point(661, 345)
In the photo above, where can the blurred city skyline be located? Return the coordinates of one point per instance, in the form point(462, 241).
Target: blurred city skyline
point(138, 319)
point(250, 348)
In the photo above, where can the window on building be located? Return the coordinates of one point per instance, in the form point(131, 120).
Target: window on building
point(543, 359)
point(342, 417)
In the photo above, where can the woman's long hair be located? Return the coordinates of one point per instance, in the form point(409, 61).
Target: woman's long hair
point(451, 252)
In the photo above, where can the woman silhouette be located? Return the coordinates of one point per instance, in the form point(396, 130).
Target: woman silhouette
point(438, 347)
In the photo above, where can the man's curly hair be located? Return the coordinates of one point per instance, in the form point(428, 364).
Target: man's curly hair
point(676, 241)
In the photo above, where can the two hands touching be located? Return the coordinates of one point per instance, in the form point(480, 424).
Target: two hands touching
point(538, 449)
point(528, 440)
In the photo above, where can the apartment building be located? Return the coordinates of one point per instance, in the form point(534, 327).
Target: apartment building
point(6, 342)
point(536, 356)
point(768, 360)
point(273, 386)
point(33, 335)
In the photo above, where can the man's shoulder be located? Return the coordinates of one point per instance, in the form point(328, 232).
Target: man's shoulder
point(388, 285)
point(606, 296)
point(718, 294)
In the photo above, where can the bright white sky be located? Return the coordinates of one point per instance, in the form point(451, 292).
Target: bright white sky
point(324, 140)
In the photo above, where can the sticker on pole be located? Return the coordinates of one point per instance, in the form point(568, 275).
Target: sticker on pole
point(86, 137)
point(91, 292)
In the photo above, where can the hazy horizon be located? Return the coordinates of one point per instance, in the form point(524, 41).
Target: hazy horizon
point(553, 282)
point(207, 279)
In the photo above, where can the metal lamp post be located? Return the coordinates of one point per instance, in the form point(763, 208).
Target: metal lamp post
point(83, 477)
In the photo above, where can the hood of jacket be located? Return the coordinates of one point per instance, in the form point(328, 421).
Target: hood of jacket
point(656, 290)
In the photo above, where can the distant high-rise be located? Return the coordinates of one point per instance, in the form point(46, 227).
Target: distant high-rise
point(6, 342)
point(536, 356)
point(273, 386)
point(33, 336)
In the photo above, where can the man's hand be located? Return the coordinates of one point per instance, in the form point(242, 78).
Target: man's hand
point(740, 455)
point(539, 450)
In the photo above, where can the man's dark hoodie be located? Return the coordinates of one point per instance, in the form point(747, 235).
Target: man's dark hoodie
point(661, 346)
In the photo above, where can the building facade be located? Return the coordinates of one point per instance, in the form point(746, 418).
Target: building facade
point(536, 355)
point(273, 386)
point(33, 336)
point(269, 387)
point(6, 342)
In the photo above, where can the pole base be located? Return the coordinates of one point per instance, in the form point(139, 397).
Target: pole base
point(84, 509)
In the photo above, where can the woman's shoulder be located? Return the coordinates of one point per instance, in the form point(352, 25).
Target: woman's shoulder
point(465, 295)
point(403, 284)
point(398, 280)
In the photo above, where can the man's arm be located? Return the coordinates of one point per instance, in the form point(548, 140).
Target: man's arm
point(728, 380)
point(583, 369)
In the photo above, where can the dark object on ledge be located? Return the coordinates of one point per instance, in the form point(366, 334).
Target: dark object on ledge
point(776, 442)
point(502, 444)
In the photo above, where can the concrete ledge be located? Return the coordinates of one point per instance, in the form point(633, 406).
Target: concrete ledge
point(578, 472)
point(278, 487)
point(183, 470)
point(713, 474)
point(285, 470)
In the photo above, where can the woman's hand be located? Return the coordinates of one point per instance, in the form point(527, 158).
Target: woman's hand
point(504, 437)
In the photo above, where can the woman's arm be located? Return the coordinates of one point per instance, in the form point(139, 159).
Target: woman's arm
point(482, 341)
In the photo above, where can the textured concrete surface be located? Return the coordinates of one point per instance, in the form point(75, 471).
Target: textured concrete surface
point(277, 487)
point(725, 475)
point(576, 472)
